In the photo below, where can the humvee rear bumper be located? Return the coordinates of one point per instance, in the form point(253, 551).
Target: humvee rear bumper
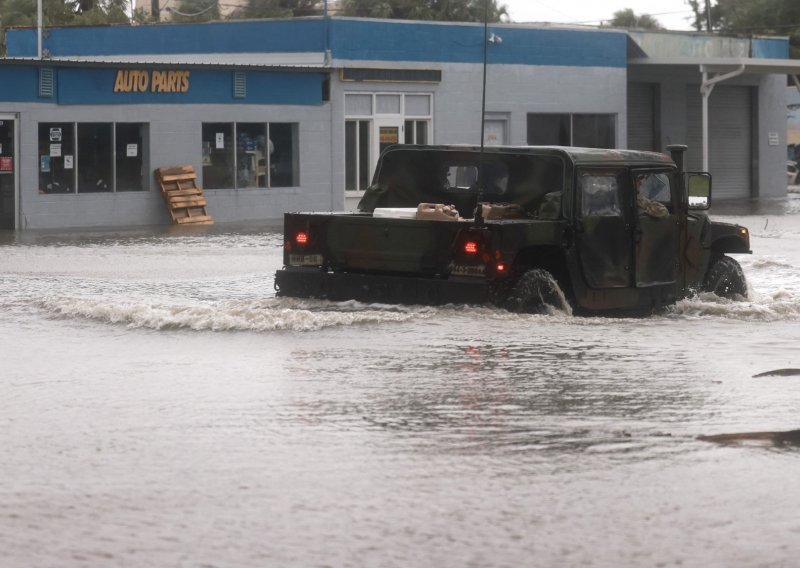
point(336, 286)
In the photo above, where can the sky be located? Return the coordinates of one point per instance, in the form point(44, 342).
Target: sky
point(672, 14)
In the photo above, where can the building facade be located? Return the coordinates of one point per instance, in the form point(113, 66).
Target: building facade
point(287, 115)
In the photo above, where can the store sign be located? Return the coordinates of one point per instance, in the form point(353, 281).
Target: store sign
point(139, 81)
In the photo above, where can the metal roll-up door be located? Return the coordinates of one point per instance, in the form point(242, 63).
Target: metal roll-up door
point(730, 139)
point(641, 116)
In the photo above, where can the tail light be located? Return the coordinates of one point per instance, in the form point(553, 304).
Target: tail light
point(301, 245)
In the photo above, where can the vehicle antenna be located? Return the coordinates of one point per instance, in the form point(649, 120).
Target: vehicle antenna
point(478, 207)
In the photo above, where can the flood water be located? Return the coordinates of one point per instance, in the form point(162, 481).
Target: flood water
point(160, 407)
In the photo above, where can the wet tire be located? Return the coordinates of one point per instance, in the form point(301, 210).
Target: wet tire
point(725, 278)
point(537, 292)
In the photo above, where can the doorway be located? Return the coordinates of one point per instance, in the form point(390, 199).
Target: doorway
point(389, 132)
point(9, 178)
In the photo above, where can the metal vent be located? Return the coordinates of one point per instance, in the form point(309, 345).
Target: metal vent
point(46, 82)
point(239, 85)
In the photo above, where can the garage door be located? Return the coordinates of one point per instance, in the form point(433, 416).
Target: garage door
point(641, 116)
point(730, 139)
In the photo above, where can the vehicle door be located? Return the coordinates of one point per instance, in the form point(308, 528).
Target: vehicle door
point(656, 229)
point(603, 228)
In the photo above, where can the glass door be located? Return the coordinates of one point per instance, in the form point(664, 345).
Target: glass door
point(8, 172)
point(388, 132)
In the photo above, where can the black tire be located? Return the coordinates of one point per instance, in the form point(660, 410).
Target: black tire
point(537, 292)
point(725, 278)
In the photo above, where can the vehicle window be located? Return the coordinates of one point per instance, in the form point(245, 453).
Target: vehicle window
point(465, 176)
point(600, 196)
point(461, 177)
point(654, 186)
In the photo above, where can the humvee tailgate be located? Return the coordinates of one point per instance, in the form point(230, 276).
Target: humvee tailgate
point(396, 245)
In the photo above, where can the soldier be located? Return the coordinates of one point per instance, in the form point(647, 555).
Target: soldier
point(646, 205)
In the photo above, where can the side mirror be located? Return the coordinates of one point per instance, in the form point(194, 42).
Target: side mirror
point(699, 185)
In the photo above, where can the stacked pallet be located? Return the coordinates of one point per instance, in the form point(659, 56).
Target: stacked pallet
point(184, 199)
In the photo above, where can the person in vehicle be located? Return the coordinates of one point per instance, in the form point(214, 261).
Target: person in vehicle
point(648, 187)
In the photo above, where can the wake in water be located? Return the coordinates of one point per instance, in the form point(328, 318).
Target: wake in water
point(290, 314)
point(780, 305)
point(234, 315)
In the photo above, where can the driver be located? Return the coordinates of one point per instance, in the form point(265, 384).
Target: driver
point(647, 206)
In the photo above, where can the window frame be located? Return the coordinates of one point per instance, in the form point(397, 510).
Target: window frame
point(76, 157)
point(377, 119)
point(268, 158)
point(571, 116)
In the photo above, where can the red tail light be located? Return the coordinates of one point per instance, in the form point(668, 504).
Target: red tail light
point(301, 238)
point(471, 247)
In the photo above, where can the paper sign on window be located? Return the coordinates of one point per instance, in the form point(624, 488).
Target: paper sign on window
point(220, 140)
point(44, 164)
point(55, 150)
point(68, 161)
point(132, 150)
point(6, 164)
point(55, 135)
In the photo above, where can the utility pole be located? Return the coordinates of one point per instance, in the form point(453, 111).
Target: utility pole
point(39, 29)
point(708, 15)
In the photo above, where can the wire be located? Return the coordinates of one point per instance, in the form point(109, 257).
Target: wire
point(203, 11)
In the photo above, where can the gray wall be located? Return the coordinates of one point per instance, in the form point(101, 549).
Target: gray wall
point(175, 139)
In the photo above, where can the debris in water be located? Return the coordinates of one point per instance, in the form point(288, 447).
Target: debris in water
point(779, 373)
point(790, 437)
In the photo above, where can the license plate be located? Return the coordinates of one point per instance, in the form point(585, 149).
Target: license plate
point(462, 270)
point(305, 259)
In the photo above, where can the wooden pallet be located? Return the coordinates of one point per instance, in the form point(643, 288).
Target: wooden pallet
point(185, 201)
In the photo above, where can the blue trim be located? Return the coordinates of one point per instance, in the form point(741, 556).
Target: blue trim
point(19, 84)
point(85, 86)
point(769, 48)
point(454, 43)
point(350, 39)
point(227, 37)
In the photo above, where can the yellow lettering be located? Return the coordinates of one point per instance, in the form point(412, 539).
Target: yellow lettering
point(172, 82)
point(143, 80)
point(119, 83)
point(140, 81)
point(158, 81)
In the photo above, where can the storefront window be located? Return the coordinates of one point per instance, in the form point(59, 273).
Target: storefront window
point(265, 155)
point(95, 158)
point(56, 157)
point(131, 166)
point(108, 157)
point(584, 130)
point(252, 153)
point(218, 155)
point(284, 163)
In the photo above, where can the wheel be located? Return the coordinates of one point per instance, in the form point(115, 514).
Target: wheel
point(725, 278)
point(537, 292)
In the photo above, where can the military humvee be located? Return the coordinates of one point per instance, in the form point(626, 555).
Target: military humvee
point(600, 230)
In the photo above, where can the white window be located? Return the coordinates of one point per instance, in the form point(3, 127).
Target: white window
point(375, 121)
